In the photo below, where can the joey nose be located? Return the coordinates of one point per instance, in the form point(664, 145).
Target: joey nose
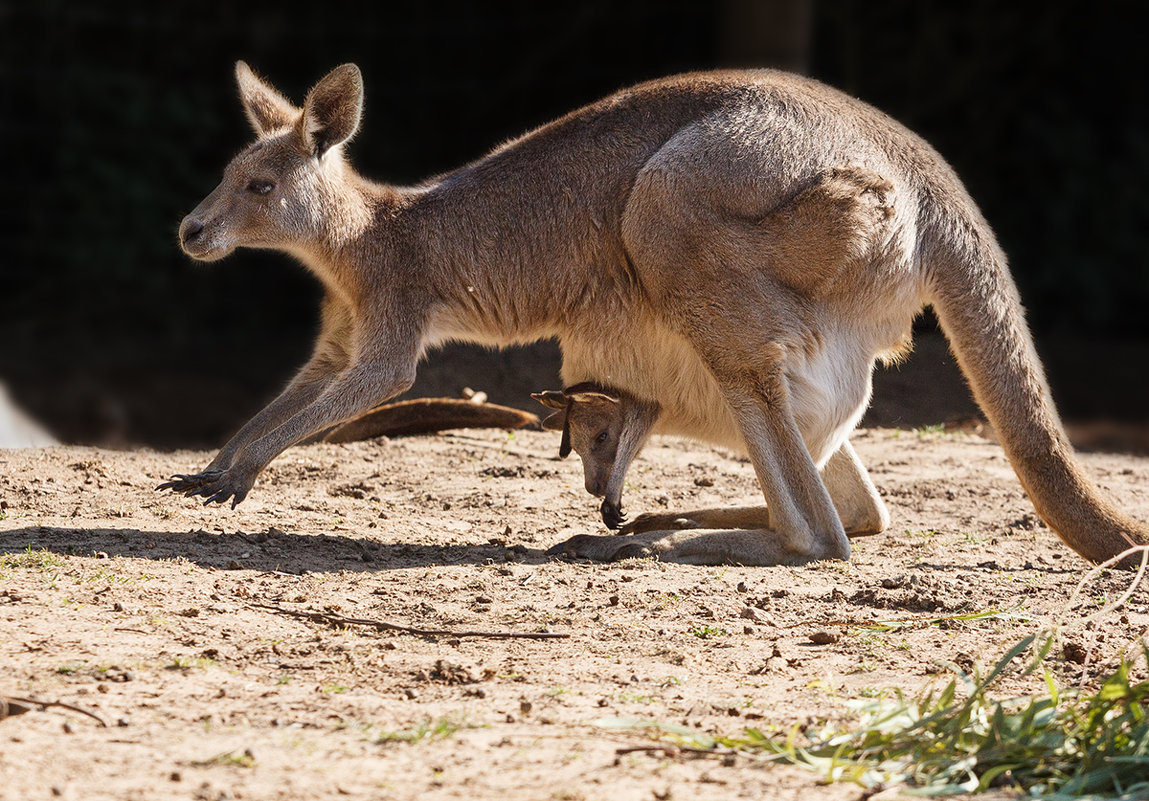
point(190, 230)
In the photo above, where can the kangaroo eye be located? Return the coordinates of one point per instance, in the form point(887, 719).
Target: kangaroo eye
point(602, 437)
point(260, 187)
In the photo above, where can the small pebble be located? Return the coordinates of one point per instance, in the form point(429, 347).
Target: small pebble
point(824, 637)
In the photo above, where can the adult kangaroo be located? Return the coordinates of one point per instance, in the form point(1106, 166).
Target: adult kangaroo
point(632, 231)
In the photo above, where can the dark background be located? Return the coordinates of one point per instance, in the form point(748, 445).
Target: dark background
point(117, 118)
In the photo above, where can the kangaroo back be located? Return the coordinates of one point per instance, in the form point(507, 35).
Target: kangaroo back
point(979, 310)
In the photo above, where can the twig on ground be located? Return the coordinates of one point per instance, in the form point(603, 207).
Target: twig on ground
point(671, 750)
point(332, 617)
point(909, 621)
point(11, 705)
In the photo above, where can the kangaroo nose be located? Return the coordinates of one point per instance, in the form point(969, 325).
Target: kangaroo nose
point(190, 230)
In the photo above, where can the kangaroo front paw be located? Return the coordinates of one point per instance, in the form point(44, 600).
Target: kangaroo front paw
point(190, 483)
point(216, 486)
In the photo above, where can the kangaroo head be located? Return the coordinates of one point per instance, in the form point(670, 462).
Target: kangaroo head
point(591, 420)
point(283, 191)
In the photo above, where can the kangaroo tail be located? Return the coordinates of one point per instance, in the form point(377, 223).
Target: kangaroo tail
point(978, 306)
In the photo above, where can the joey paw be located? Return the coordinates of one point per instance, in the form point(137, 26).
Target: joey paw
point(612, 515)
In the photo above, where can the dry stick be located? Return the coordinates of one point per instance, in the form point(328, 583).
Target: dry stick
point(1060, 625)
point(900, 621)
point(1095, 571)
point(674, 750)
point(22, 705)
point(332, 617)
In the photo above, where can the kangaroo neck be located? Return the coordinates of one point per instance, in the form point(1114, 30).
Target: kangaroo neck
point(339, 251)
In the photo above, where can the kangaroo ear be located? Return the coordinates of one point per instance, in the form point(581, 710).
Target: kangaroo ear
point(554, 422)
point(332, 110)
point(552, 399)
point(266, 108)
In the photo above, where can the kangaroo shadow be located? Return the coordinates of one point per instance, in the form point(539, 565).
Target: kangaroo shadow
point(273, 550)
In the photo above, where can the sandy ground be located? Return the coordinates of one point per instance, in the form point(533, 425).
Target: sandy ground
point(151, 611)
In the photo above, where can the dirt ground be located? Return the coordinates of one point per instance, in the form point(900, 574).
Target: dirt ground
point(153, 613)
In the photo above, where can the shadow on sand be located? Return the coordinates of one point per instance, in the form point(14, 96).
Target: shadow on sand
point(272, 550)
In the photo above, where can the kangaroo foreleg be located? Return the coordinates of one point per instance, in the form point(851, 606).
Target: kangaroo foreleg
point(384, 367)
point(358, 389)
point(329, 358)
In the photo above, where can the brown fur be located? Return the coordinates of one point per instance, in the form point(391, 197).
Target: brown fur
point(632, 231)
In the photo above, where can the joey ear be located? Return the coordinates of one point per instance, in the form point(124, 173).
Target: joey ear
point(332, 110)
point(588, 391)
point(552, 399)
point(591, 397)
point(554, 422)
point(565, 442)
point(266, 108)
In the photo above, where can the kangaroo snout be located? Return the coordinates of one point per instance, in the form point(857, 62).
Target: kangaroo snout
point(191, 229)
point(199, 242)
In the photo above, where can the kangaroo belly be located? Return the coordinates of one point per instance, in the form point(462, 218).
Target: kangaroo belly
point(829, 392)
point(829, 388)
point(653, 362)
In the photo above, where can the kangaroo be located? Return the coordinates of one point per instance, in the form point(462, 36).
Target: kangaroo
point(636, 231)
point(607, 426)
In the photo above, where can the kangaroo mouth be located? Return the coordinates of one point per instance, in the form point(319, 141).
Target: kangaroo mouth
point(205, 251)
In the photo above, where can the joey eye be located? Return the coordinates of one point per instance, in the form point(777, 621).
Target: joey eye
point(602, 437)
point(260, 187)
